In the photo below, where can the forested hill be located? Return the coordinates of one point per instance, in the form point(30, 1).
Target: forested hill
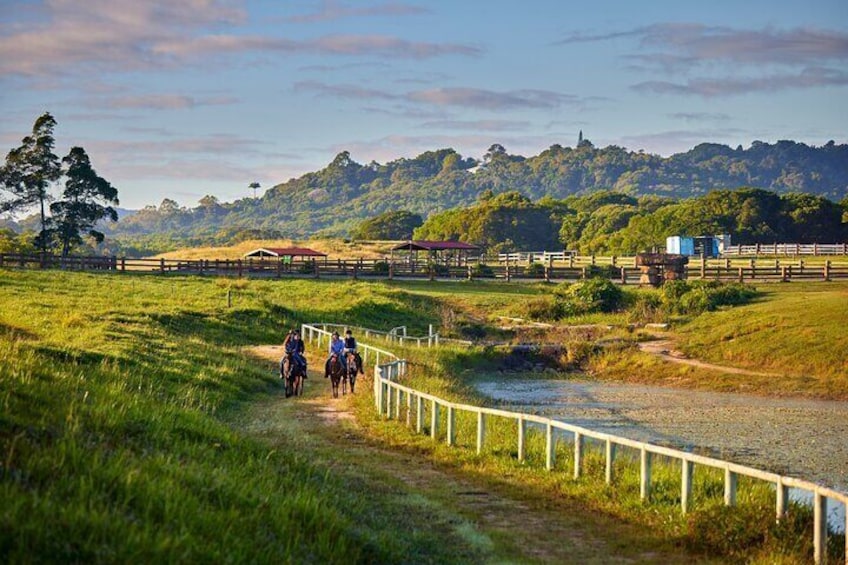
point(334, 199)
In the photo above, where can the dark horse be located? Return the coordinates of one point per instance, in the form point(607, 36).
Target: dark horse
point(292, 374)
point(337, 373)
point(352, 367)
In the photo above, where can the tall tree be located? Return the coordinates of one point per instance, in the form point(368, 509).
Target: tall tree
point(29, 171)
point(85, 201)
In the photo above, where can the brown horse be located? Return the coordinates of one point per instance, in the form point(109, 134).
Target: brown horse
point(292, 374)
point(337, 372)
point(352, 369)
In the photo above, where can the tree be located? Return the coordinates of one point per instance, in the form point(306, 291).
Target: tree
point(254, 185)
point(30, 170)
point(84, 201)
point(392, 225)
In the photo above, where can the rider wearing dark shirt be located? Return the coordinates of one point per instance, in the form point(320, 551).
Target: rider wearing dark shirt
point(294, 345)
point(350, 345)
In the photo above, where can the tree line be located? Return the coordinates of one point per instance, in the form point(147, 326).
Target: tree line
point(616, 223)
point(28, 178)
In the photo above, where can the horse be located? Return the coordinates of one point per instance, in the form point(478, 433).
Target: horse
point(293, 374)
point(337, 372)
point(352, 369)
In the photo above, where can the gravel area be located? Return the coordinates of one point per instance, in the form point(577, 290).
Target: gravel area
point(800, 438)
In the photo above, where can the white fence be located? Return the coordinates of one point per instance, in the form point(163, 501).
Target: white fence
point(787, 249)
point(393, 400)
point(535, 256)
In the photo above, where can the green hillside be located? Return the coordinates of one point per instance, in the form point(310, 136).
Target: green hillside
point(335, 199)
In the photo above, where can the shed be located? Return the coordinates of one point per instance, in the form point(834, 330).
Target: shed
point(706, 245)
point(285, 252)
point(445, 252)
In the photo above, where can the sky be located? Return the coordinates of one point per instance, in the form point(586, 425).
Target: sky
point(183, 98)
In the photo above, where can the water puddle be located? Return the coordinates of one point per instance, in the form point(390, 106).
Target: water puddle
point(807, 439)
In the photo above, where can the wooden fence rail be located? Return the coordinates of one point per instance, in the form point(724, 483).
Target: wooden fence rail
point(403, 403)
point(620, 270)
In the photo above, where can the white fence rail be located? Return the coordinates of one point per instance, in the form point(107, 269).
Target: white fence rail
point(394, 400)
point(787, 249)
point(395, 335)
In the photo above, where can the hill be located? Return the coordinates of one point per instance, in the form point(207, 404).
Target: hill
point(333, 200)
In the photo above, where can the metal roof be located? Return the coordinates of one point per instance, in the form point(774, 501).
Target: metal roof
point(284, 251)
point(423, 245)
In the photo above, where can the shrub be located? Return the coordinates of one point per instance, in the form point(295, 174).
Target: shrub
point(482, 270)
point(694, 297)
point(591, 295)
point(544, 309)
point(381, 268)
point(535, 270)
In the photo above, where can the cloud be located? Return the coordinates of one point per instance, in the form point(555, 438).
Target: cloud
point(449, 97)
point(332, 10)
point(728, 86)
point(700, 116)
point(128, 35)
point(674, 141)
point(478, 125)
point(162, 102)
point(682, 42)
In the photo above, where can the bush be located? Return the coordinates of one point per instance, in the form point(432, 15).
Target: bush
point(482, 270)
point(591, 295)
point(685, 297)
point(544, 309)
point(381, 268)
point(535, 270)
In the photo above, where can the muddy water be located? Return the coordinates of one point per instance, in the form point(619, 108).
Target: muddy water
point(800, 438)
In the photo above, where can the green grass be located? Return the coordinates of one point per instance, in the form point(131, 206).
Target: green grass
point(794, 333)
point(114, 442)
point(120, 403)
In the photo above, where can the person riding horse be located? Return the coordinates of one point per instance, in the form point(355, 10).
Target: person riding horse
point(336, 350)
point(295, 348)
point(350, 347)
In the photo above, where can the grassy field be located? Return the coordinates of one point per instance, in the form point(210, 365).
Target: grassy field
point(121, 435)
point(794, 333)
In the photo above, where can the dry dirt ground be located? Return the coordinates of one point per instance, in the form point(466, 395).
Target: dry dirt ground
point(509, 525)
point(664, 349)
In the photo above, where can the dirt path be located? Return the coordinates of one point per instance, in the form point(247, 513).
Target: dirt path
point(504, 523)
point(664, 349)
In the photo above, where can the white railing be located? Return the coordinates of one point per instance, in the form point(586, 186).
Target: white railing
point(395, 335)
point(531, 256)
point(787, 249)
point(392, 399)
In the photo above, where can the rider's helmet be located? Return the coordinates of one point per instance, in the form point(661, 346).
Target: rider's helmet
point(335, 334)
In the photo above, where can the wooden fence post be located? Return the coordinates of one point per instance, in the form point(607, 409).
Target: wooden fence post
point(162, 265)
point(827, 270)
point(434, 420)
point(623, 275)
point(451, 425)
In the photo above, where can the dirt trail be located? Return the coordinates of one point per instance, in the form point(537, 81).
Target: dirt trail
point(664, 349)
point(515, 526)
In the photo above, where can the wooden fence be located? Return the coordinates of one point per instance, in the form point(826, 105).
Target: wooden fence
point(403, 403)
point(619, 269)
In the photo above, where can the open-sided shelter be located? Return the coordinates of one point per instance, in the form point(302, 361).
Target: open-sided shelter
point(438, 252)
point(286, 254)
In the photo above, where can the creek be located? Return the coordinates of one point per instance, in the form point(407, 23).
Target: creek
point(801, 438)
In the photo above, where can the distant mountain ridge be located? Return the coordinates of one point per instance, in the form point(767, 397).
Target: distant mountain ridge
point(335, 199)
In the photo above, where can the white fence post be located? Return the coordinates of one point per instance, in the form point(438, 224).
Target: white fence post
point(610, 460)
point(451, 425)
point(578, 454)
point(550, 447)
point(409, 409)
point(434, 421)
point(782, 492)
point(686, 485)
point(522, 431)
point(820, 528)
point(419, 414)
point(481, 431)
point(644, 474)
point(729, 487)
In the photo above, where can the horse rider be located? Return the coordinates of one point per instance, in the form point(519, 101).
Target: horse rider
point(295, 347)
point(336, 349)
point(350, 347)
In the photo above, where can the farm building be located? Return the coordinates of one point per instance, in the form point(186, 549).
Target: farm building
point(439, 252)
point(706, 245)
point(285, 253)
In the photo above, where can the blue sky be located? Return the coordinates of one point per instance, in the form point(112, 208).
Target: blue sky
point(185, 98)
